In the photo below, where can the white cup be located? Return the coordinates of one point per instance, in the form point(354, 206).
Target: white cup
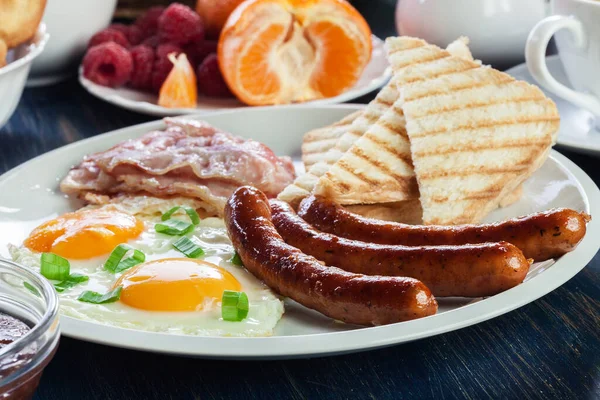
point(497, 29)
point(576, 26)
point(71, 24)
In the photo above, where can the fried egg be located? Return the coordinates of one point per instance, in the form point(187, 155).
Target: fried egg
point(168, 292)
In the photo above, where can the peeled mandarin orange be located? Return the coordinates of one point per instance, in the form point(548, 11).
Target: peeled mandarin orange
point(179, 89)
point(283, 51)
point(214, 13)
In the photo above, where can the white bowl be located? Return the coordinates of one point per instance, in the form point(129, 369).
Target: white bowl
point(71, 23)
point(14, 74)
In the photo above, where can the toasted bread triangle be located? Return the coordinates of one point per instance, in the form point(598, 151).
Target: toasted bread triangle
point(378, 167)
point(475, 136)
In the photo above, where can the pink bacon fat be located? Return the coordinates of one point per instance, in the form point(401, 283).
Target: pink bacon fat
point(189, 158)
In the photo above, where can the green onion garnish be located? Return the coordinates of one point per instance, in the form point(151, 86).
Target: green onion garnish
point(174, 227)
point(188, 210)
point(96, 298)
point(71, 281)
point(236, 260)
point(116, 263)
point(54, 266)
point(31, 288)
point(234, 306)
point(189, 248)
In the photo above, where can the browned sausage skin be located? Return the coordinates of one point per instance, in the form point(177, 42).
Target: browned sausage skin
point(348, 297)
point(472, 270)
point(540, 236)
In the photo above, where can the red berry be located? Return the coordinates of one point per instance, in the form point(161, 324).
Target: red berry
point(143, 65)
point(108, 64)
point(196, 53)
point(124, 29)
point(134, 35)
point(162, 64)
point(109, 35)
point(148, 21)
point(152, 41)
point(181, 25)
point(210, 80)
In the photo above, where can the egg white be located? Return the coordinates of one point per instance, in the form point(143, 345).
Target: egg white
point(266, 308)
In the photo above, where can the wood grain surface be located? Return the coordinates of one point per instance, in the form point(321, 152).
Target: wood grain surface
point(549, 349)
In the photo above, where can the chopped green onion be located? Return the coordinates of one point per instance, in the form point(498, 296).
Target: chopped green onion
point(71, 281)
point(189, 248)
point(54, 266)
point(116, 263)
point(174, 227)
point(234, 306)
point(188, 210)
point(31, 288)
point(236, 260)
point(96, 298)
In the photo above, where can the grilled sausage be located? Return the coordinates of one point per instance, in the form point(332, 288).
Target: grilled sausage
point(540, 236)
point(352, 298)
point(471, 270)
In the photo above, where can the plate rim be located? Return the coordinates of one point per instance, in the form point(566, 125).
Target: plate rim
point(331, 343)
point(147, 108)
point(570, 144)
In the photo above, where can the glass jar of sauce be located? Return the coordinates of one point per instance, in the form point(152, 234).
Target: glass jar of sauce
point(29, 329)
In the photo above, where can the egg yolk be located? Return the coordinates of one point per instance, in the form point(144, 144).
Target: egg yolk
point(174, 284)
point(84, 234)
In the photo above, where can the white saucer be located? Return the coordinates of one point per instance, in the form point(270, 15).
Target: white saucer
point(578, 129)
point(375, 75)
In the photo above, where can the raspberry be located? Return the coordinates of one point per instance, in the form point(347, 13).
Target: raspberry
point(108, 64)
point(210, 80)
point(162, 64)
point(124, 29)
point(134, 35)
point(143, 64)
point(109, 35)
point(131, 32)
point(196, 53)
point(148, 21)
point(181, 25)
point(152, 41)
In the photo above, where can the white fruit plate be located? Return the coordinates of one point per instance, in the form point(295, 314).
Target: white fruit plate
point(375, 75)
point(29, 195)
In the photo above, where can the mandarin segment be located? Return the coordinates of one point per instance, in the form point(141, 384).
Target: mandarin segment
point(283, 51)
point(179, 89)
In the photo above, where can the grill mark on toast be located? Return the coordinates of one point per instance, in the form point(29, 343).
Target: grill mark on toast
point(481, 103)
point(509, 79)
point(390, 127)
point(371, 118)
point(344, 166)
point(383, 102)
point(429, 59)
point(476, 171)
point(488, 124)
point(486, 146)
point(390, 149)
point(413, 46)
point(381, 166)
point(329, 143)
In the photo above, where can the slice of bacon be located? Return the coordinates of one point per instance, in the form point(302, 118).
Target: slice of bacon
point(189, 158)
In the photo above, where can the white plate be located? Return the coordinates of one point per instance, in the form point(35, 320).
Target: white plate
point(375, 75)
point(578, 129)
point(29, 195)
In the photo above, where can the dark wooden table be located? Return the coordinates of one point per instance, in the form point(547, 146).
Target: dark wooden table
point(549, 349)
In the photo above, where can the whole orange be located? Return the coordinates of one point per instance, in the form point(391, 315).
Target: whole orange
point(214, 13)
